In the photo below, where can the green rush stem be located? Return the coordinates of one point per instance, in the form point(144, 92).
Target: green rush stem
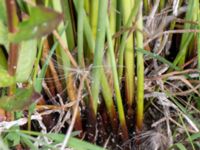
point(140, 73)
point(116, 82)
point(161, 4)
point(93, 15)
point(37, 61)
point(99, 49)
point(46, 3)
point(80, 32)
point(104, 83)
point(65, 60)
point(88, 35)
point(118, 15)
point(112, 19)
point(124, 38)
point(68, 21)
point(107, 95)
point(87, 6)
point(180, 58)
point(129, 59)
point(29, 121)
point(146, 7)
point(187, 37)
point(198, 42)
point(87, 30)
point(112, 16)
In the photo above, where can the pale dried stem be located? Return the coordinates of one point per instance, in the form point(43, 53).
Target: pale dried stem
point(68, 134)
point(170, 32)
point(62, 43)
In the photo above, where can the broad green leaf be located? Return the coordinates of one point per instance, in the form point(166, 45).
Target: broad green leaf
point(60, 137)
point(13, 137)
point(78, 144)
point(42, 21)
point(24, 138)
point(26, 59)
point(19, 114)
point(3, 22)
point(195, 136)
point(3, 11)
point(22, 99)
point(3, 34)
point(3, 61)
point(5, 79)
point(28, 143)
point(74, 143)
point(55, 137)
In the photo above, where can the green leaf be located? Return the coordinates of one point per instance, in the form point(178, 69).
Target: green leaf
point(179, 146)
point(3, 22)
point(42, 21)
point(3, 11)
point(26, 59)
point(195, 136)
point(19, 101)
point(19, 114)
point(28, 143)
point(158, 57)
point(3, 61)
point(31, 108)
point(3, 34)
point(74, 143)
point(55, 137)
point(78, 144)
point(13, 137)
point(5, 79)
point(60, 137)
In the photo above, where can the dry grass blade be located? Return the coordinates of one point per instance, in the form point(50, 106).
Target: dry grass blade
point(79, 97)
point(66, 49)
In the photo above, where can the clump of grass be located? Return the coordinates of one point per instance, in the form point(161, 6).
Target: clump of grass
point(140, 74)
point(100, 71)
